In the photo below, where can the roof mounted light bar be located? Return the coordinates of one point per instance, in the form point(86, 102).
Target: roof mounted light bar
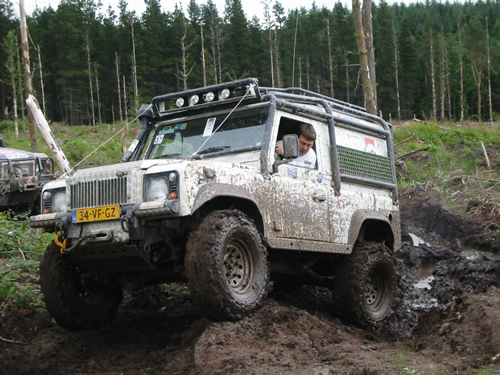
point(205, 96)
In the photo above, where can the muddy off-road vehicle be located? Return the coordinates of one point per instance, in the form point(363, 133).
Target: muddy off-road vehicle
point(22, 177)
point(201, 195)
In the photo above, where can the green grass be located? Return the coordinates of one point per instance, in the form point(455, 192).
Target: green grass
point(98, 145)
point(455, 159)
point(21, 249)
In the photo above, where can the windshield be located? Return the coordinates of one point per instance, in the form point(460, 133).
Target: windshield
point(241, 131)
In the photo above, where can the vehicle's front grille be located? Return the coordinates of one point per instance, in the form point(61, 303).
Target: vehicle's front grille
point(103, 192)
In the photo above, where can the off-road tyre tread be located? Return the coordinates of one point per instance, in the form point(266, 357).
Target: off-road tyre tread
point(61, 297)
point(207, 283)
point(349, 283)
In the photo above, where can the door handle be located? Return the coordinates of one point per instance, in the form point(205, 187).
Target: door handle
point(319, 198)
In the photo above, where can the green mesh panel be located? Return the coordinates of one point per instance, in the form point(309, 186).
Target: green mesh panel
point(364, 164)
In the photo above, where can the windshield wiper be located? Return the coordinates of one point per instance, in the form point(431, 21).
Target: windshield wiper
point(167, 156)
point(213, 149)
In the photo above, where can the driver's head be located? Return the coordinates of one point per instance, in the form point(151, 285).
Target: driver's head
point(306, 138)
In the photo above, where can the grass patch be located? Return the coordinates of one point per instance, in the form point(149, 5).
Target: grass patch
point(21, 249)
point(454, 159)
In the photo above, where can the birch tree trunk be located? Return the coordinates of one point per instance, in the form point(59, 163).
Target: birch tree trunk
point(98, 94)
point(134, 72)
point(27, 73)
point(368, 89)
point(42, 86)
point(396, 66)
point(91, 87)
point(461, 55)
point(125, 106)
point(370, 48)
point(330, 57)
point(44, 127)
point(19, 74)
point(14, 104)
point(488, 60)
point(203, 62)
point(184, 74)
point(442, 87)
point(119, 91)
point(268, 22)
point(477, 73)
point(277, 55)
point(433, 77)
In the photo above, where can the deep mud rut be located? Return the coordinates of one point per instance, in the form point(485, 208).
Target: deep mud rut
point(447, 320)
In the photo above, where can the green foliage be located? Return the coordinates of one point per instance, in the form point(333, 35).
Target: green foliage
point(20, 253)
point(234, 46)
point(455, 156)
point(98, 145)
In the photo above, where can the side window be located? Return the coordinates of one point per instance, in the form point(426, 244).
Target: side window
point(307, 145)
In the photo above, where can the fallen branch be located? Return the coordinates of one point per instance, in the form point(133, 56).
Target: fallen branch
point(466, 177)
point(486, 156)
point(12, 341)
point(413, 152)
point(400, 143)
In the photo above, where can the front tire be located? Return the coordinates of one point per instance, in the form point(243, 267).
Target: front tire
point(226, 264)
point(75, 299)
point(365, 285)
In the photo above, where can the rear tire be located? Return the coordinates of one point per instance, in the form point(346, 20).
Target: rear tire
point(75, 299)
point(365, 285)
point(226, 264)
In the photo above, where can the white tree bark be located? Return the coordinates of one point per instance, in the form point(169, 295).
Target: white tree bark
point(44, 127)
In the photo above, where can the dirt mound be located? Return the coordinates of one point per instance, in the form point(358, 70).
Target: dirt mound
point(427, 213)
point(446, 321)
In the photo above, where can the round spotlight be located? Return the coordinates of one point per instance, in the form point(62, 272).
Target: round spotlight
point(208, 97)
point(225, 93)
point(179, 102)
point(194, 100)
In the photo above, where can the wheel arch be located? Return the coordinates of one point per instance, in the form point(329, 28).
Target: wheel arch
point(368, 225)
point(221, 196)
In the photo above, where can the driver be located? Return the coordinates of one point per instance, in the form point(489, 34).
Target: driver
point(307, 156)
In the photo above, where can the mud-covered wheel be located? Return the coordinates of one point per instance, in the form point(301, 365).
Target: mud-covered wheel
point(365, 285)
point(226, 265)
point(75, 299)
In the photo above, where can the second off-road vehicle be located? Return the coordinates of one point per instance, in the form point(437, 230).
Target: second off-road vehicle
point(22, 177)
point(202, 196)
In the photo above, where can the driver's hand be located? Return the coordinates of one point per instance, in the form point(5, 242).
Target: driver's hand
point(279, 150)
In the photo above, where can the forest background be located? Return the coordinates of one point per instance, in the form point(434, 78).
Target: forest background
point(434, 60)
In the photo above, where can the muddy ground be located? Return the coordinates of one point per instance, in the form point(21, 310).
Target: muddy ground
point(447, 320)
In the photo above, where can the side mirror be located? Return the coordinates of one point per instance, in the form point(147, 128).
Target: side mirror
point(290, 146)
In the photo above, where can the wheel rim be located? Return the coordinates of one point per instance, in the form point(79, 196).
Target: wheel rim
point(238, 266)
point(375, 291)
point(89, 288)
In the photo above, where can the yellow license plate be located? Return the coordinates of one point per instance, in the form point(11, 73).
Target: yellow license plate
point(85, 215)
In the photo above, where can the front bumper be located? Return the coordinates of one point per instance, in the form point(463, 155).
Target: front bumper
point(61, 221)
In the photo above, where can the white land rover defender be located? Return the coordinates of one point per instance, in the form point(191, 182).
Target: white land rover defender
point(202, 196)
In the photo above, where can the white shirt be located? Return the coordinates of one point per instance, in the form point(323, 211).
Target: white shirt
point(307, 160)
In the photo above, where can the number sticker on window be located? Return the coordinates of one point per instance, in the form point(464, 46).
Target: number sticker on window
point(158, 139)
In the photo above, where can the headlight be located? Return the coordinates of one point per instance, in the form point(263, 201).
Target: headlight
point(54, 201)
point(157, 189)
point(160, 186)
